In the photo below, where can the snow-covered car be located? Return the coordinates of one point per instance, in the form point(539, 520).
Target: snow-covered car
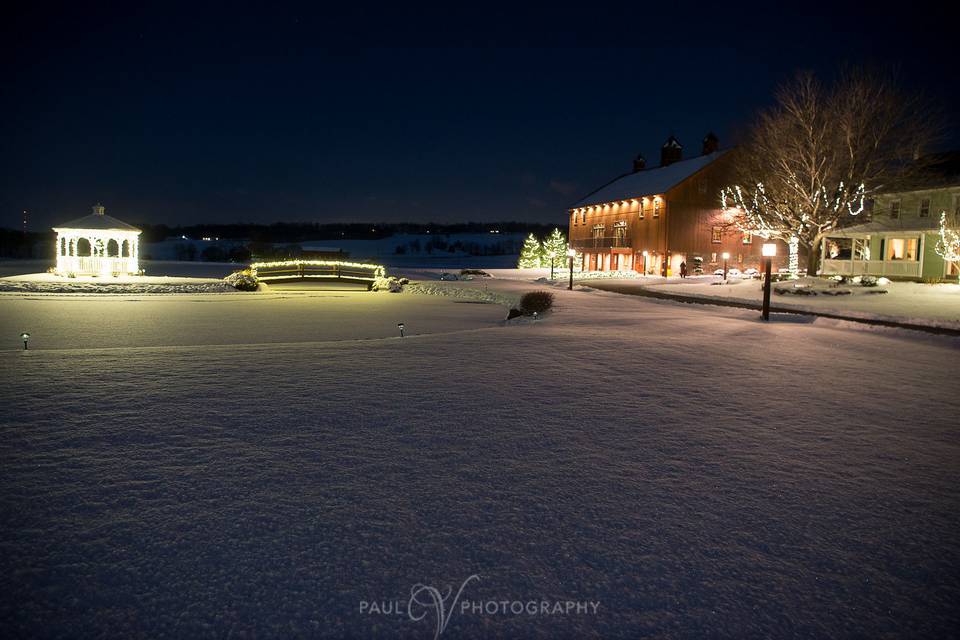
point(732, 272)
point(449, 276)
point(751, 273)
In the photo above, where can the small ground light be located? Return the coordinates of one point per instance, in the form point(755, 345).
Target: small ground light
point(26, 338)
point(400, 326)
point(535, 315)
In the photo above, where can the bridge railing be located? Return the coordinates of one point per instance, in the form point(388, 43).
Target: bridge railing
point(317, 269)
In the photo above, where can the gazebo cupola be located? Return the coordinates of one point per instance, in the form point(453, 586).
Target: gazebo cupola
point(97, 245)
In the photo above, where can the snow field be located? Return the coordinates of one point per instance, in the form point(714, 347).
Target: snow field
point(698, 472)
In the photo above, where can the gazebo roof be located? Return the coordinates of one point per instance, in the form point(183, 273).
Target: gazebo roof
point(98, 221)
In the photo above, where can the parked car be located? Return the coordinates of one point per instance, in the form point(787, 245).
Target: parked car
point(751, 273)
point(449, 276)
point(475, 272)
point(718, 272)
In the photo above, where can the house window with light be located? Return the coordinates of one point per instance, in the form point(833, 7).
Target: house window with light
point(656, 207)
point(747, 237)
point(902, 249)
point(716, 235)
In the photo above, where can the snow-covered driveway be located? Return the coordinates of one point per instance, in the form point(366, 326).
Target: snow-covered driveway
point(696, 472)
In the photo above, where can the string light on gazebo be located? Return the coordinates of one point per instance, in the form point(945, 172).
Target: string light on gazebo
point(97, 245)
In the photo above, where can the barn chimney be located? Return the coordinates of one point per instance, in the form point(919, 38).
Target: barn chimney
point(639, 163)
point(670, 152)
point(710, 143)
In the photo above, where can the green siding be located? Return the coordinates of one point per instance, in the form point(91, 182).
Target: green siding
point(932, 263)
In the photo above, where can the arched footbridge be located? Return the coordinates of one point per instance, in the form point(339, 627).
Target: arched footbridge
point(299, 270)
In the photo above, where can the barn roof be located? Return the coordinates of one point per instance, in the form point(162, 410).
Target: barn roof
point(648, 182)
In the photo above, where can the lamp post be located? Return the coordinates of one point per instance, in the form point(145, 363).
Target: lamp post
point(726, 256)
point(769, 251)
point(400, 326)
point(552, 255)
point(645, 254)
point(571, 253)
point(25, 337)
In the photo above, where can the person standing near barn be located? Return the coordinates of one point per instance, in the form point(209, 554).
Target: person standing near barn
point(683, 269)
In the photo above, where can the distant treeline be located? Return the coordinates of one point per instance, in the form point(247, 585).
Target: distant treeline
point(308, 232)
point(17, 244)
point(33, 244)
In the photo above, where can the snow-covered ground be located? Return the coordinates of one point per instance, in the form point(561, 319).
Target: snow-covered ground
point(51, 283)
point(927, 304)
point(153, 268)
point(262, 465)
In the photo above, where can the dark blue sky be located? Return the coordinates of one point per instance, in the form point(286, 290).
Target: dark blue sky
point(220, 115)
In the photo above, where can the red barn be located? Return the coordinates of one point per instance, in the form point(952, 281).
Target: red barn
point(651, 220)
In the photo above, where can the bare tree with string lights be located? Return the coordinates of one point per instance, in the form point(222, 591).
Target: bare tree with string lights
point(813, 159)
point(948, 244)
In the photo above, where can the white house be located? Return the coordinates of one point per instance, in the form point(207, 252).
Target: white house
point(97, 244)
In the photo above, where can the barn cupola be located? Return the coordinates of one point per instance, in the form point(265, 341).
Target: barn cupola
point(639, 163)
point(711, 143)
point(671, 151)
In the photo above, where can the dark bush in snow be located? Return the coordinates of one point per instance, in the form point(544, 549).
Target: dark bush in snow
point(514, 313)
point(536, 302)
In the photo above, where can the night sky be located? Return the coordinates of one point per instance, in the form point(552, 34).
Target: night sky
point(217, 115)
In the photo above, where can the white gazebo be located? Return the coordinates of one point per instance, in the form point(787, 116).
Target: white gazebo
point(97, 245)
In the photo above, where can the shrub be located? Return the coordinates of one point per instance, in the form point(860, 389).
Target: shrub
point(536, 302)
point(242, 280)
point(390, 284)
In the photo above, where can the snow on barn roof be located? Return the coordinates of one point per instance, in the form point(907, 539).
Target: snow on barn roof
point(648, 182)
point(98, 221)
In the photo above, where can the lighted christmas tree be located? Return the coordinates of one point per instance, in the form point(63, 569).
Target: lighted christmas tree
point(531, 254)
point(555, 245)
